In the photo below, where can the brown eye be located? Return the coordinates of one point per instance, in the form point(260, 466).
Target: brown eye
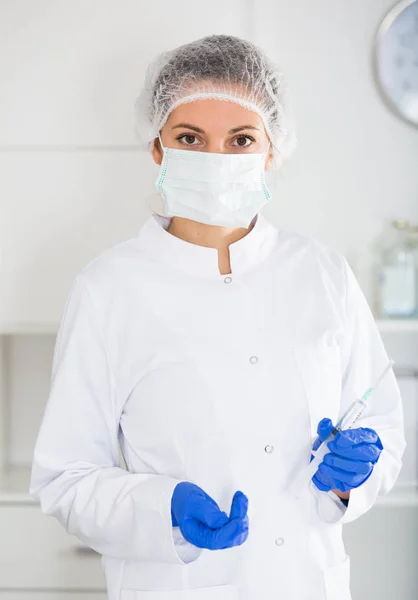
point(243, 138)
point(189, 139)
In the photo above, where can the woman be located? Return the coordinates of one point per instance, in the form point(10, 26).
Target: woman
point(210, 347)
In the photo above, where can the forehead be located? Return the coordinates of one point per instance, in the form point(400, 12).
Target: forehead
point(201, 113)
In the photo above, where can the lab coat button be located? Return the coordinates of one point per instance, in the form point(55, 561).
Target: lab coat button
point(228, 279)
point(279, 541)
point(254, 360)
point(269, 449)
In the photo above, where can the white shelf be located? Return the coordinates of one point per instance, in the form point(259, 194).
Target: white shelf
point(399, 497)
point(14, 490)
point(28, 328)
point(10, 497)
point(397, 325)
point(14, 485)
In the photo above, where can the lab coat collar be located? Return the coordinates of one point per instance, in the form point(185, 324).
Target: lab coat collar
point(245, 254)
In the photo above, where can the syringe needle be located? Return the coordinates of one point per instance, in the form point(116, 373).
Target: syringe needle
point(383, 375)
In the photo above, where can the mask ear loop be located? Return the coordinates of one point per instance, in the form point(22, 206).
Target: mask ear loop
point(163, 173)
point(161, 142)
point(276, 159)
point(266, 191)
point(266, 153)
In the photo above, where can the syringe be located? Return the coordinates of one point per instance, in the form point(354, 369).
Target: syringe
point(346, 422)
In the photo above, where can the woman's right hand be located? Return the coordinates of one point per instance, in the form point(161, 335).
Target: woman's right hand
point(202, 522)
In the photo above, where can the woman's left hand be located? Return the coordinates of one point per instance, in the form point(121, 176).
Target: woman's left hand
point(351, 458)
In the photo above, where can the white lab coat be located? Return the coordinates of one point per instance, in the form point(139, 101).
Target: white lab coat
point(219, 380)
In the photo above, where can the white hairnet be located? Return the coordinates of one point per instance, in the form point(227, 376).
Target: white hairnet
point(217, 66)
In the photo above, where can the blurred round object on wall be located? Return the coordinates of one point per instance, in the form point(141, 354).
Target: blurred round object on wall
point(396, 60)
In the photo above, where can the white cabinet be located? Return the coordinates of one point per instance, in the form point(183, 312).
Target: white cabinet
point(18, 595)
point(401, 342)
point(408, 477)
point(37, 553)
point(383, 547)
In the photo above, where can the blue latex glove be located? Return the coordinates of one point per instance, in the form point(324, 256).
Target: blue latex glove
point(351, 458)
point(202, 522)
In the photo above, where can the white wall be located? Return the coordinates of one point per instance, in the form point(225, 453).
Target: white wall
point(72, 180)
point(357, 164)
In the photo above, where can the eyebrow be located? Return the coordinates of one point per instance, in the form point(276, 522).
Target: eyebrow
point(234, 130)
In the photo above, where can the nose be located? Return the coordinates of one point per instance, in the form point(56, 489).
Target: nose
point(216, 146)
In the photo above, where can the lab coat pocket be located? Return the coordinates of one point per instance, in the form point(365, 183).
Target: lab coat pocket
point(320, 367)
point(337, 581)
point(219, 592)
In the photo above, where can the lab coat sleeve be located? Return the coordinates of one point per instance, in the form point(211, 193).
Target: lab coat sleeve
point(363, 358)
point(76, 470)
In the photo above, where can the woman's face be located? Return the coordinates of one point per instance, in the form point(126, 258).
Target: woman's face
point(211, 125)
